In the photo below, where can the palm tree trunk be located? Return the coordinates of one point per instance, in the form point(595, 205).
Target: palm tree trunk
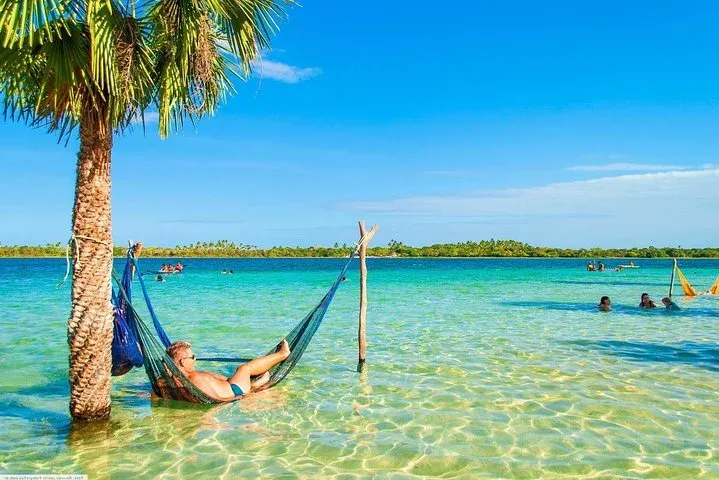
point(89, 330)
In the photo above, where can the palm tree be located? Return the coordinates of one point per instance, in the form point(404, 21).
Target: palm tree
point(100, 65)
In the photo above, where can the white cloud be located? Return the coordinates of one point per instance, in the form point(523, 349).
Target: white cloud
point(666, 208)
point(152, 117)
point(149, 117)
point(283, 72)
point(626, 167)
point(674, 191)
point(272, 70)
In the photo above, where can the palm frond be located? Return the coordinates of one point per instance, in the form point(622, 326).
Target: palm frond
point(121, 57)
point(134, 71)
point(41, 83)
point(19, 84)
point(63, 83)
point(22, 21)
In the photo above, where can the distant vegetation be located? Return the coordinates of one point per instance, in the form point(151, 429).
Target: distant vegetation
point(485, 248)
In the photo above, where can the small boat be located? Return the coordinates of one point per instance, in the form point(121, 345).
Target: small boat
point(168, 269)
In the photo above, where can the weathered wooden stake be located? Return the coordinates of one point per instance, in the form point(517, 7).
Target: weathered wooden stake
point(671, 282)
point(362, 330)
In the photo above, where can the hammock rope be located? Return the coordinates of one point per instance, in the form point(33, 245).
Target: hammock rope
point(73, 242)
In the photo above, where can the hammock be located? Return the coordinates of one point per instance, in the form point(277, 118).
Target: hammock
point(166, 378)
point(686, 286)
point(690, 291)
point(714, 289)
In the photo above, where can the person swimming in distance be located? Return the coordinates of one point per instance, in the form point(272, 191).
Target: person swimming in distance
point(605, 305)
point(223, 272)
point(160, 278)
point(669, 304)
point(646, 302)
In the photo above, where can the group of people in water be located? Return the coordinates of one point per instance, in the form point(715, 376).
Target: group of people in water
point(605, 304)
point(169, 268)
point(600, 267)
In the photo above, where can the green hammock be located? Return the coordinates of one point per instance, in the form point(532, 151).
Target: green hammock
point(170, 383)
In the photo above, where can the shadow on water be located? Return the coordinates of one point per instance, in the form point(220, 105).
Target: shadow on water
point(14, 408)
point(57, 387)
point(364, 395)
point(581, 307)
point(22, 403)
point(687, 310)
point(701, 355)
point(546, 305)
point(613, 283)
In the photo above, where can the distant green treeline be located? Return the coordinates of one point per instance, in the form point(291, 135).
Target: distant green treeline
point(485, 248)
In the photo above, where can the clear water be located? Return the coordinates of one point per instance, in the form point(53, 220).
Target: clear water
point(477, 368)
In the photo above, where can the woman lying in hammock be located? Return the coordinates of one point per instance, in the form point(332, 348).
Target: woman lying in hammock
point(221, 387)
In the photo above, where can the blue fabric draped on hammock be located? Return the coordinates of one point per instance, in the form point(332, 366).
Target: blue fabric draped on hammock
point(126, 352)
point(135, 343)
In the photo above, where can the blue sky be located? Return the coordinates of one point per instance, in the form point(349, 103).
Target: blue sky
point(571, 124)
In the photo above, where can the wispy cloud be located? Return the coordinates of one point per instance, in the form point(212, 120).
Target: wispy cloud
point(626, 167)
point(279, 71)
point(283, 72)
point(660, 208)
point(665, 193)
point(149, 117)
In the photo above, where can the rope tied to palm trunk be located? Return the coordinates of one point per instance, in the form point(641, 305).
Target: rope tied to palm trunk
point(74, 242)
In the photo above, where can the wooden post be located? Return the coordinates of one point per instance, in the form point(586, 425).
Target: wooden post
point(671, 282)
point(362, 330)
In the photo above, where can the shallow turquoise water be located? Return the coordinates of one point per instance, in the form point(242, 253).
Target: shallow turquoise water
point(477, 368)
